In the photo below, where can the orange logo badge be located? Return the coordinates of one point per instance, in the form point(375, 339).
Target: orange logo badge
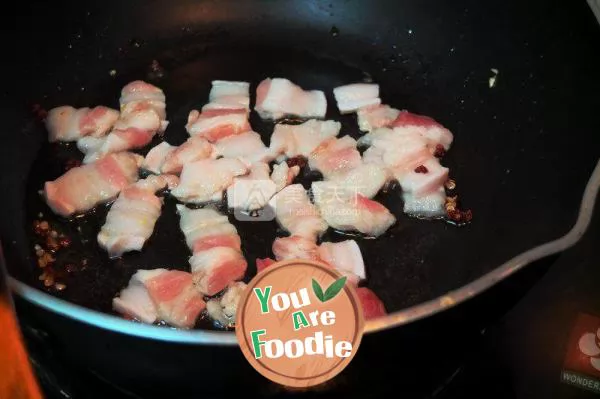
point(582, 362)
point(298, 323)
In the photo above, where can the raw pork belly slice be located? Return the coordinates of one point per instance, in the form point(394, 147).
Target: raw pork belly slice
point(301, 140)
point(194, 149)
point(130, 221)
point(253, 191)
point(134, 300)
point(247, 147)
point(228, 95)
point(138, 92)
point(166, 158)
point(351, 213)
point(371, 304)
point(66, 123)
point(223, 310)
point(160, 294)
point(225, 115)
point(352, 97)
point(374, 117)
point(395, 150)
point(433, 131)
point(278, 97)
point(83, 187)
point(296, 214)
point(134, 129)
point(205, 180)
point(283, 175)
point(365, 179)
point(156, 157)
point(206, 228)
point(217, 259)
point(425, 179)
point(335, 157)
point(345, 257)
point(295, 247)
point(215, 268)
point(430, 205)
point(215, 124)
point(142, 116)
point(407, 151)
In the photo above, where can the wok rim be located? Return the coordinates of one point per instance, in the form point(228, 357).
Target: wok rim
point(391, 320)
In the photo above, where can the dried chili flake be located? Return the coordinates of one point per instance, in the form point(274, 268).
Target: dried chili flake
point(64, 242)
point(440, 151)
point(296, 161)
point(421, 169)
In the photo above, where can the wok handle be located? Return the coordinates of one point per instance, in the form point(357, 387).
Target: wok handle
point(17, 380)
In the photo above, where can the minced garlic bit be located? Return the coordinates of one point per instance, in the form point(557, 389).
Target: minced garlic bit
point(492, 80)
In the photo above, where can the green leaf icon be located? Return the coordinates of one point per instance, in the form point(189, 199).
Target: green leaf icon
point(334, 289)
point(330, 292)
point(318, 290)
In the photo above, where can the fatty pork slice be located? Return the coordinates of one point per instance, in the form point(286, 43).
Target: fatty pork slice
point(206, 228)
point(407, 156)
point(425, 179)
point(353, 212)
point(130, 221)
point(247, 147)
point(66, 123)
point(372, 306)
point(296, 214)
point(217, 259)
point(138, 92)
point(169, 159)
point(223, 310)
point(252, 191)
point(365, 179)
point(155, 158)
point(352, 97)
point(295, 247)
point(193, 149)
point(431, 205)
point(283, 175)
point(395, 150)
point(278, 97)
point(82, 188)
point(345, 257)
point(335, 157)
point(228, 95)
point(134, 300)
point(135, 128)
point(205, 180)
point(215, 268)
point(215, 124)
point(429, 128)
point(300, 140)
point(172, 292)
point(376, 116)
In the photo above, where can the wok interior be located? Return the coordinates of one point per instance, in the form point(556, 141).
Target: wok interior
point(509, 158)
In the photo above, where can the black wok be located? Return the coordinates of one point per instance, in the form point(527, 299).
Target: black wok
point(524, 150)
